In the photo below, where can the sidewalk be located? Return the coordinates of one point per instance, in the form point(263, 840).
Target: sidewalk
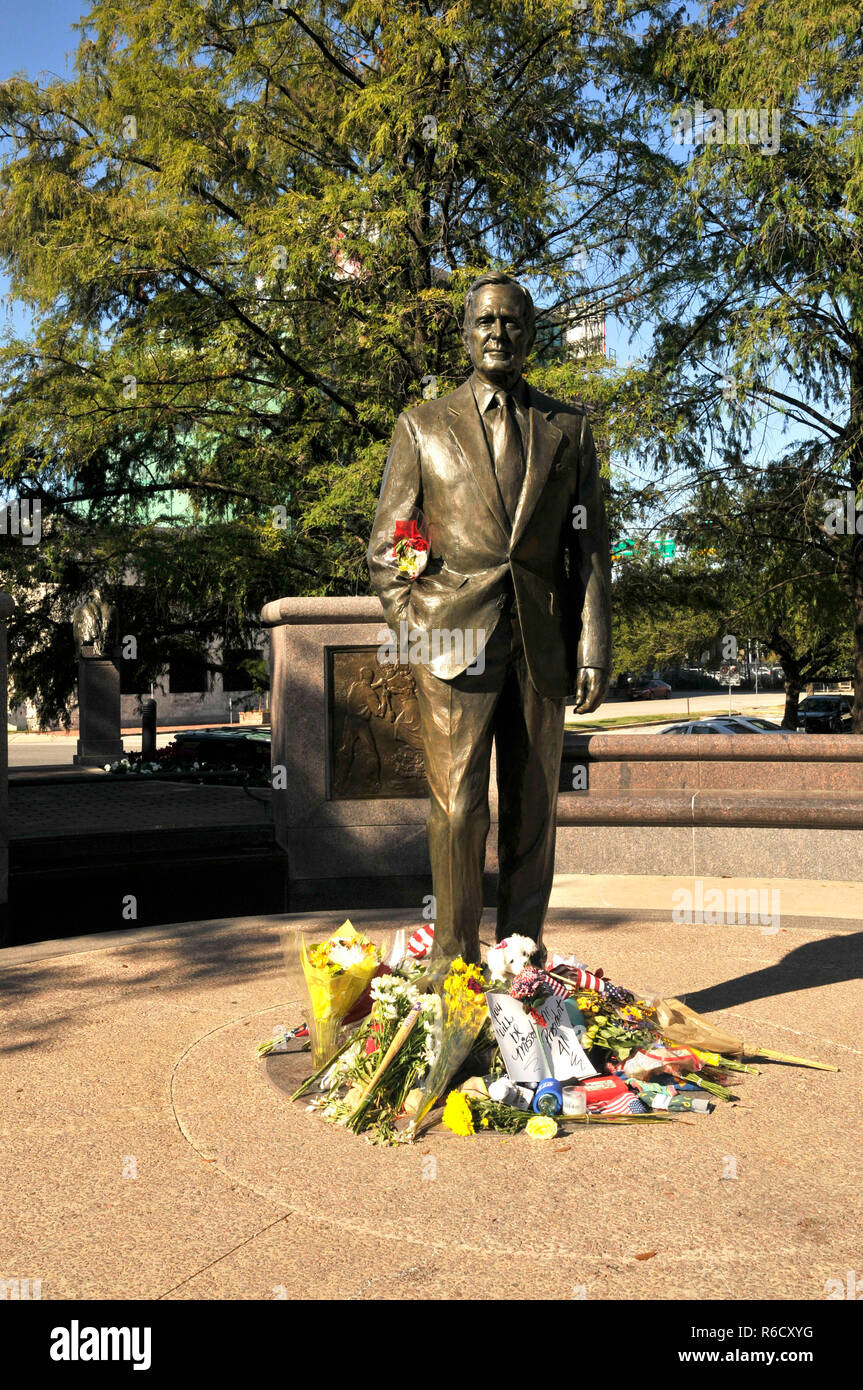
point(145, 1155)
point(74, 806)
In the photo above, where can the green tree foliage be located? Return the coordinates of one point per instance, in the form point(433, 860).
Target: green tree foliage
point(245, 230)
point(754, 276)
point(775, 570)
point(752, 562)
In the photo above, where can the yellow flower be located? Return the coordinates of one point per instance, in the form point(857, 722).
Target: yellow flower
point(541, 1127)
point(463, 995)
point(457, 1114)
point(587, 1002)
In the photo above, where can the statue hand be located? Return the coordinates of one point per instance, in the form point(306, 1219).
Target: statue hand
point(590, 688)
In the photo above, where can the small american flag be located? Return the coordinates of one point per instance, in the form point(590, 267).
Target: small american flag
point(421, 942)
point(556, 986)
point(579, 977)
point(610, 1095)
point(627, 1104)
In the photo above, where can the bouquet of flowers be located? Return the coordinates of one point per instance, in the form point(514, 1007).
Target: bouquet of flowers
point(616, 1024)
point(367, 1086)
point(411, 545)
point(336, 972)
point(428, 1019)
point(464, 1011)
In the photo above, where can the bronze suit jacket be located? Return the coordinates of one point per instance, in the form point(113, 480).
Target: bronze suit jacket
point(558, 557)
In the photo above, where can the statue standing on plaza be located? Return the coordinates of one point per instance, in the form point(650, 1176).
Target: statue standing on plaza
point(515, 602)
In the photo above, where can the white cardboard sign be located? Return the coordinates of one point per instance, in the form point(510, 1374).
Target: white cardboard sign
point(528, 1061)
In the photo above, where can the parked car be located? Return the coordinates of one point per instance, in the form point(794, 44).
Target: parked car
point(243, 748)
point(727, 724)
point(824, 714)
point(651, 690)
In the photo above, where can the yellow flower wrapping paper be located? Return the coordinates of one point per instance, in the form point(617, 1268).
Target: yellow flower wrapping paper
point(333, 993)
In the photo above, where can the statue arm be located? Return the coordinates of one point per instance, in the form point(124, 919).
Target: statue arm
point(590, 564)
point(401, 489)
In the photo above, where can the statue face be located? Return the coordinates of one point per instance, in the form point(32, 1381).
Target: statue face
point(498, 339)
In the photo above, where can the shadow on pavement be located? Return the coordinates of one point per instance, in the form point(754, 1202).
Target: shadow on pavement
point(825, 962)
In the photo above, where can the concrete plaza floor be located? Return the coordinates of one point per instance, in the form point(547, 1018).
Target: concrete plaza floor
point(146, 1156)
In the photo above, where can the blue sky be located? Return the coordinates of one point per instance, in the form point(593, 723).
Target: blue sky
point(37, 34)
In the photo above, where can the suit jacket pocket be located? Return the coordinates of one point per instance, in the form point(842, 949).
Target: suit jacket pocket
point(443, 579)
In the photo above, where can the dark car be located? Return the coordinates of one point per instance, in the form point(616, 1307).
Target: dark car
point(651, 690)
point(234, 747)
point(824, 714)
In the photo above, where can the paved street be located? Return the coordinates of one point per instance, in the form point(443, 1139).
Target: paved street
point(58, 749)
point(100, 804)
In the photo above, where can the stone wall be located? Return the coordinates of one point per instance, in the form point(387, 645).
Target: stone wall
point(326, 838)
point(761, 805)
point(783, 805)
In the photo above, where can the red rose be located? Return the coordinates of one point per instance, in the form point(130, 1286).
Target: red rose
point(409, 531)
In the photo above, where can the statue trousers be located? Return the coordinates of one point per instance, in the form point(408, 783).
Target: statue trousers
point(461, 720)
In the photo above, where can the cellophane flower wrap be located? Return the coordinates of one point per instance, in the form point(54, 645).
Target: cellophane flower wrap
point(393, 997)
point(411, 546)
point(464, 1011)
point(336, 972)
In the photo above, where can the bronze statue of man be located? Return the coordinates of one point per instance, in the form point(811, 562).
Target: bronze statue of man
point(519, 573)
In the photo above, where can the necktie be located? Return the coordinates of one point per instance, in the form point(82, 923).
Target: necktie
point(508, 451)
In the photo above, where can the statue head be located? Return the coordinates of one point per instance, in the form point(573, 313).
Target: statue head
point(499, 328)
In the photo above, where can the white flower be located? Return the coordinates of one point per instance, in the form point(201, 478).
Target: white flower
point(346, 956)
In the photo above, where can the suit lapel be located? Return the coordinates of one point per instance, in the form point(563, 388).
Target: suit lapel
point(542, 447)
point(468, 433)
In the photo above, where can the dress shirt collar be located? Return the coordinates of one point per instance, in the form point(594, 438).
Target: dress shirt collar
point(484, 393)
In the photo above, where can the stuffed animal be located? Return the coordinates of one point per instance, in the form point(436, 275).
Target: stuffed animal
point(510, 956)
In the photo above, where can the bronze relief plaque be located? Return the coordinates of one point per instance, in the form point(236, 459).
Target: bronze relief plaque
point(374, 744)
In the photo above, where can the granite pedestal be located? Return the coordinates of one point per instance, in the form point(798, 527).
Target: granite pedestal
point(99, 740)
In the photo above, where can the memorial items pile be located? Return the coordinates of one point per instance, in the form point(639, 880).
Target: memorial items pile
point(525, 1051)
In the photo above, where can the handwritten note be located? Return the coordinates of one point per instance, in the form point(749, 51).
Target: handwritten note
point(526, 1058)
